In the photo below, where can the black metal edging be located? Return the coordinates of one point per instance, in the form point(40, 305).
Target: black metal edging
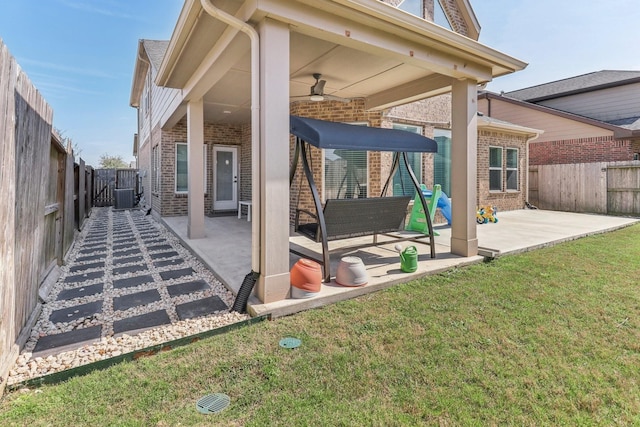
point(58, 377)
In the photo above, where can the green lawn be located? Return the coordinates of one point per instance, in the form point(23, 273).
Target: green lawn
point(549, 337)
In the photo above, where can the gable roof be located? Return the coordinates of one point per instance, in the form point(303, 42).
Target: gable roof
point(155, 51)
point(574, 85)
point(618, 131)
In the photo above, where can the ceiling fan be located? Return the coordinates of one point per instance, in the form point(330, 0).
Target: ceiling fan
point(316, 93)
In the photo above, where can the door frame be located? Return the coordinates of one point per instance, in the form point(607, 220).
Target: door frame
point(227, 204)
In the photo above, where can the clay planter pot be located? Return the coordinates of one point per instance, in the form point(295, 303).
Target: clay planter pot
point(306, 278)
point(351, 272)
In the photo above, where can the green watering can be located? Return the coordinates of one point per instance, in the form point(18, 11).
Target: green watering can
point(409, 259)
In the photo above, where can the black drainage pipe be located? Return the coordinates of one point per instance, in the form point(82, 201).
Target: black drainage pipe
point(240, 304)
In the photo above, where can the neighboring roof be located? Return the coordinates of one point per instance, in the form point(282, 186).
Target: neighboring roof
point(155, 51)
point(573, 85)
point(618, 131)
point(323, 134)
point(491, 123)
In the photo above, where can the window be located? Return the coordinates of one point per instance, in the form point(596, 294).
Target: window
point(495, 168)
point(155, 169)
point(512, 169)
point(442, 160)
point(414, 7)
point(402, 184)
point(182, 168)
point(345, 173)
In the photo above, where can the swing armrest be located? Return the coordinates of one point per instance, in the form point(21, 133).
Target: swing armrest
point(297, 220)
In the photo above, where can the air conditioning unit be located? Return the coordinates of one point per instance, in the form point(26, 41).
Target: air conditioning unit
point(124, 198)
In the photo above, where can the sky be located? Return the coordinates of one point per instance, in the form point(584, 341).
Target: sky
point(80, 54)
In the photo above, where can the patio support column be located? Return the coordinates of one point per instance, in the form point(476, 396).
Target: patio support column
point(464, 150)
point(274, 283)
point(195, 142)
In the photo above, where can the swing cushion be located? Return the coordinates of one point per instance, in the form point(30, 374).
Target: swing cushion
point(346, 218)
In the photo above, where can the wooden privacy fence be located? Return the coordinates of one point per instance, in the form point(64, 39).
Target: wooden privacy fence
point(38, 218)
point(106, 181)
point(605, 188)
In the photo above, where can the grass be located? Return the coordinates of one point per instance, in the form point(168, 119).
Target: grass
point(550, 337)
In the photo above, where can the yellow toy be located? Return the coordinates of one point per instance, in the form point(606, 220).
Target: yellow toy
point(486, 214)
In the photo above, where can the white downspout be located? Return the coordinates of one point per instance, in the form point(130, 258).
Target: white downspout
point(255, 121)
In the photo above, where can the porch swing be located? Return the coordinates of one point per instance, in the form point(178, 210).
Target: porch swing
point(355, 217)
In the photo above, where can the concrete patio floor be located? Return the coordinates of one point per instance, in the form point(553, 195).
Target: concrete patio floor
point(227, 251)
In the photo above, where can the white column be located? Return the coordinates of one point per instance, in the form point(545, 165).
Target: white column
point(464, 158)
point(195, 140)
point(274, 283)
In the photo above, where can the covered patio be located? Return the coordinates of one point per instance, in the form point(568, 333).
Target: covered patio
point(229, 255)
point(245, 63)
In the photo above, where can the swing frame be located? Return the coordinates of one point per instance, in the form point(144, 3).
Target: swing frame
point(373, 216)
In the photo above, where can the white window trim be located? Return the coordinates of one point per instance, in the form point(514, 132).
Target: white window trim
point(175, 167)
point(517, 169)
point(500, 168)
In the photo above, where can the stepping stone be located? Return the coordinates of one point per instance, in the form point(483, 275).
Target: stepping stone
point(187, 287)
point(161, 255)
point(66, 338)
point(97, 249)
point(125, 302)
point(123, 237)
point(154, 241)
point(123, 253)
point(130, 282)
point(83, 267)
point(174, 274)
point(95, 240)
point(201, 307)
point(159, 248)
point(125, 245)
point(128, 260)
point(76, 312)
point(149, 320)
point(167, 262)
point(79, 278)
point(129, 269)
point(82, 291)
point(90, 258)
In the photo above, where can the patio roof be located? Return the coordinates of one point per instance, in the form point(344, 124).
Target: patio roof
point(333, 135)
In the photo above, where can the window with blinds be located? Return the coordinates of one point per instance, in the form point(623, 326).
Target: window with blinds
point(402, 184)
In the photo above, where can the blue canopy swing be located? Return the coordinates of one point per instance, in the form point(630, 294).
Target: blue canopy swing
point(333, 135)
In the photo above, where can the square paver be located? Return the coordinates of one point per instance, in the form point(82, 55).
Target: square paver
point(166, 262)
point(130, 282)
point(174, 274)
point(127, 260)
point(125, 302)
point(149, 320)
point(161, 255)
point(129, 269)
point(126, 245)
point(201, 307)
point(90, 258)
point(187, 287)
point(155, 248)
point(66, 338)
point(82, 291)
point(83, 267)
point(126, 252)
point(76, 312)
point(80, 278)
point(91, 250)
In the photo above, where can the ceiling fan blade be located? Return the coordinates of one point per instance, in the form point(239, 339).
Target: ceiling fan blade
point(318, 88)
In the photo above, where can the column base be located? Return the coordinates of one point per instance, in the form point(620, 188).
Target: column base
point(273, 288)
point(463, 247)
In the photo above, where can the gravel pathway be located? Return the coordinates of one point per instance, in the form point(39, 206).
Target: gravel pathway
point(129, 284)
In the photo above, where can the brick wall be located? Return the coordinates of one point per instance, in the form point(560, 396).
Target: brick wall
point(172, 204)
point(583, 150)
point(507, 200)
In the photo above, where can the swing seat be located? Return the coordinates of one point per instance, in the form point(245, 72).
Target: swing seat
point(347, 218)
